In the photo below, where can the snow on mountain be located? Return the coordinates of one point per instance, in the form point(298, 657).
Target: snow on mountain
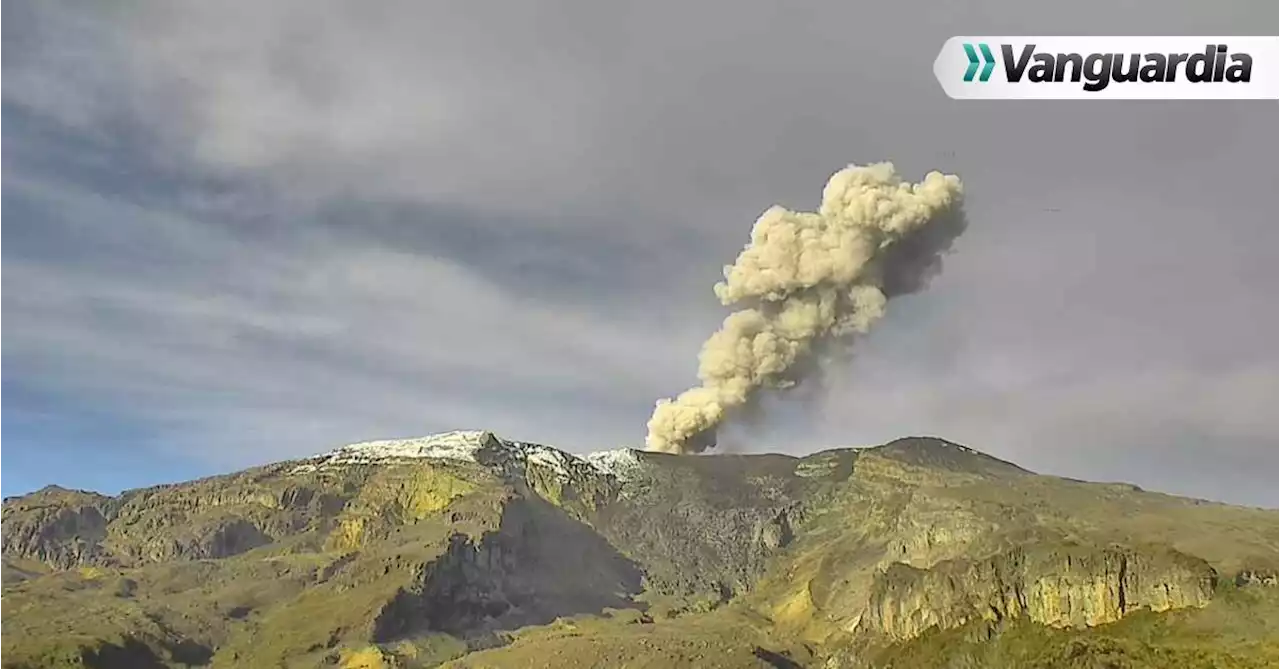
point(458, 445)
point(622, 463)
point(482, 447)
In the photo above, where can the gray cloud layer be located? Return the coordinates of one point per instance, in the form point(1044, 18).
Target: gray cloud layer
point(277, 227)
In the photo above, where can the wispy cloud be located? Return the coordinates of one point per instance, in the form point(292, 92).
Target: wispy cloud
point(244, 231)
point(182, 321)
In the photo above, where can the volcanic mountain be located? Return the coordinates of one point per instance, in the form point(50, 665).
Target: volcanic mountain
point(468, 550)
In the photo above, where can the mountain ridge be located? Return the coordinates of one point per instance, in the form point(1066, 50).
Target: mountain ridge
point(462, 444)
point(469, 549)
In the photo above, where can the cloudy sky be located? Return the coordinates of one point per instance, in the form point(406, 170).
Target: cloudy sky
point(241, 232)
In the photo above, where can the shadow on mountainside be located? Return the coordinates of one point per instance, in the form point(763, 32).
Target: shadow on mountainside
point(539, 565)
point(776, 660)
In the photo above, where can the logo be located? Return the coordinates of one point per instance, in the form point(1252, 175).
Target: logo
point(973, 62)
point(1110, 67)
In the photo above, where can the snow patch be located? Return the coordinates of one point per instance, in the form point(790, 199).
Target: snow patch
point(519, 455)
point(458, 445)
point(557, 461)
point(623, 463)
point(484, 448)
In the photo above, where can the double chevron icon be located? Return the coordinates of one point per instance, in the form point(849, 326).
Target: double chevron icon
point(987, 58)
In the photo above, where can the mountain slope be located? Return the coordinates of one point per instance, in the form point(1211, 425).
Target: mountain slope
point(468, 548)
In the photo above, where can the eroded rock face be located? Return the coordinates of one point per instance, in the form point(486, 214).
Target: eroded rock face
point(537, 565)
point(705, 527)
point(60, 530)
point(225, 538)
point(1063, 586)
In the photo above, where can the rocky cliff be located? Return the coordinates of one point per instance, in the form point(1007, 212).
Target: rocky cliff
point(1059, 586)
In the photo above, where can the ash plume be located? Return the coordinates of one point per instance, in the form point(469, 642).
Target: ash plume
point(808, 283)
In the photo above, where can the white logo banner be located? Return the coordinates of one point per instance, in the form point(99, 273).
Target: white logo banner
point(1117, 68)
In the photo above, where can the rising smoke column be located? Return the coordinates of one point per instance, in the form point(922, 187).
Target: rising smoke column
point(808, 280)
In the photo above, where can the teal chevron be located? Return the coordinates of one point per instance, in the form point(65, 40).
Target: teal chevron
point(988, 61)
point(991, 62)
point(973, 61)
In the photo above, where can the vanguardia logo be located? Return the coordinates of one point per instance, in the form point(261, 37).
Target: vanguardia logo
point(988, 62)
point(1092, 67)
point(1099, 70)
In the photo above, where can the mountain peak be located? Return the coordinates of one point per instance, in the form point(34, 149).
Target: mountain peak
point(938, 452)
point(57, 492)
point(485, 448)
point(454, 445)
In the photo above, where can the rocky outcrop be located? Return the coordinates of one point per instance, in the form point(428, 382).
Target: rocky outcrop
point(393, 497)
point(572, 485)
point(58, 527)
point(219, 538)
point(1063, 586)
point(1264, 577)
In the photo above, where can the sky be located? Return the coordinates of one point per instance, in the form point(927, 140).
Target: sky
point(242, 232)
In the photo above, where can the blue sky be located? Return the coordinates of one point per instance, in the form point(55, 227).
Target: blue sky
point(246, 232)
